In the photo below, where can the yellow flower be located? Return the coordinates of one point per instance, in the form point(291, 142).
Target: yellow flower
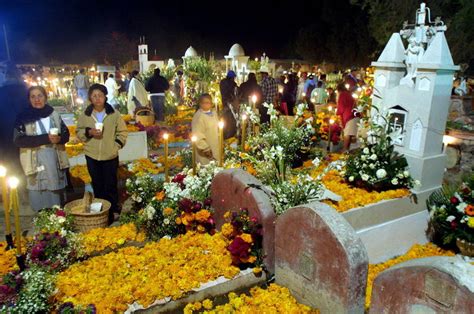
point(227, 230)
point(470, 222)
point(257, 270)
point(202, 215)
point(207, 304)
point(167, 268)
point(246, 237)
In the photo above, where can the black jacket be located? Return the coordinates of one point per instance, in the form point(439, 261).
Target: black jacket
point(157, 84)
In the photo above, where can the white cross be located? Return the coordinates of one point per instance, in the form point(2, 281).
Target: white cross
point(243, 73)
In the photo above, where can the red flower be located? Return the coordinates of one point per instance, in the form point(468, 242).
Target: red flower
point(186, 205)
point(60, 213)
point(454, 200)
point(239, 248)
point(454, 225)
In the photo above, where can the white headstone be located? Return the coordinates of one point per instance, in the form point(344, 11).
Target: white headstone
point(419, 80)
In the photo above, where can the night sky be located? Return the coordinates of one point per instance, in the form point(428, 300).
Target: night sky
point(71, 31)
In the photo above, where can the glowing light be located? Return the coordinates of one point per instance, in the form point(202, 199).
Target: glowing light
point(354, 95)
point(313, 100)
point(13, 182)
point(244, 117)
point(193, 138)
point(254, 98)
point(166, 136)
point(3, 171)
point(330, 108)
point(221, 124)
point(79, 101)
point(331, 121)
point(448, 140)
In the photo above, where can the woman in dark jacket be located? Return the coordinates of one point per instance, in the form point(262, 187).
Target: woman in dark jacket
point(41, 134)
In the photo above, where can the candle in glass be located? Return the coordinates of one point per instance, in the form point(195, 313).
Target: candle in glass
point(221, 143)
point(254, 101)
point(14, 205)
point(193, 143)
point(244, 129)
point(165, 138)
point(331, 122)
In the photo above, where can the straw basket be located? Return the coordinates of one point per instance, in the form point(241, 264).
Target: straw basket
point(145, 116)
point(84, 221)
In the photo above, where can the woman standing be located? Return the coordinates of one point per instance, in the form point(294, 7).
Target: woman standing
point(137, 95)
point(349, 116)
point(104, 133)
point(41, 134)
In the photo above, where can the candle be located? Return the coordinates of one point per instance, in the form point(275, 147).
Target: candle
point(193, 143)
point(221, 143)
point(13, 183)
point(165, 138)
point(331, 122)
point(244, 129)
point(6, 206)
point(254, 101)
point(330, 108)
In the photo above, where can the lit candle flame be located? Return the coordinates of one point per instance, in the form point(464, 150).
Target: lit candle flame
point(13, 182)
point(193, 138)
point(166, 136)
point(3, 171)
point(221, 124)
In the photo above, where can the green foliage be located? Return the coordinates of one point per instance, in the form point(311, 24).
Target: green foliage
point(59, 102)
point(451, 210)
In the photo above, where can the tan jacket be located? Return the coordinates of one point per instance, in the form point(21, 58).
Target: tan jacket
point(114, 134)
point(206, 128)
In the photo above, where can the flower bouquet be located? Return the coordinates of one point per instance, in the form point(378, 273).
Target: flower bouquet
point(245, 235)
point(376, 166)
point(452, 216)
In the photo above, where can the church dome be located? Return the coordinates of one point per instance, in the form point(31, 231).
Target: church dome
point(236, 51)
point(190, 52)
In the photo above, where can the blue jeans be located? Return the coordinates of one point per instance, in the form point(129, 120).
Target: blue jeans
point(158, 103)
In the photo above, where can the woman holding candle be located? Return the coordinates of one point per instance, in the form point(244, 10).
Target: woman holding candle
point(104, 133)
point(41, 134)
point(205, 128)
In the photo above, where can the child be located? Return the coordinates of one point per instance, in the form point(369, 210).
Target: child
point(205, 128)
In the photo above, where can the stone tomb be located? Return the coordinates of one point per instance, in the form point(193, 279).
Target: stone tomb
point(426, 285)
point(135, 148)
point(233, 189)
point(320, 258)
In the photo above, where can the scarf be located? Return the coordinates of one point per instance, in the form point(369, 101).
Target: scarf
point(32, 114)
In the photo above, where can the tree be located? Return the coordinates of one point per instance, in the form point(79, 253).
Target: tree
point(117, 49)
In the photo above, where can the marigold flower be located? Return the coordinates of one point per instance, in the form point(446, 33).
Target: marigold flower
point(160, 195)
point(202, 215)
point(168, 211)
point(246, 237)
point(469, 210)
point(227, 230)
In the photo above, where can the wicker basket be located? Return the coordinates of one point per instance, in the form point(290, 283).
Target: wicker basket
point(86, 221)
point(145, 116)
point(466, 248)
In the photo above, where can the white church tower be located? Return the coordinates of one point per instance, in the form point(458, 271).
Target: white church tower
point(142, 54)
point(414, 84)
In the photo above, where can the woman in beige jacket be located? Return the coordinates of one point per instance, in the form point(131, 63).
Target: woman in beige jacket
point(205, 128)
point(104, 133)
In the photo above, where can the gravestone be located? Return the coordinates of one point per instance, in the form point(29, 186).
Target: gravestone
point(319, 257)
point(414, 85)
point(233, 189)
point(426, 285)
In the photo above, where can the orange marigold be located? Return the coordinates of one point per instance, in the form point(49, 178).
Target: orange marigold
point(469, 210)
point(246, 237)
point(168, 211)
point(202, 215)
point(160, 195)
